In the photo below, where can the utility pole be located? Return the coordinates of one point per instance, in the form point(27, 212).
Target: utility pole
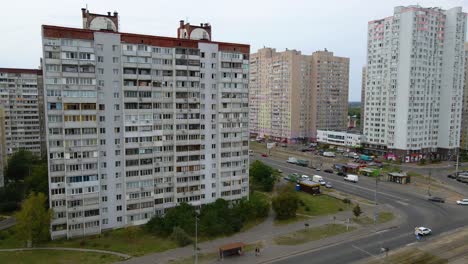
point(196, 239)
point(429, 184)
point(456, 165)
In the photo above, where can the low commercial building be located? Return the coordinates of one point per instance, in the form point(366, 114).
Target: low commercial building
point(339, 138)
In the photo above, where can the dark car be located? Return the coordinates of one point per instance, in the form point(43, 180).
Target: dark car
point(264, 155)
point(340, 173)
point(451, 176)
point(436, 199)
point(328, 171)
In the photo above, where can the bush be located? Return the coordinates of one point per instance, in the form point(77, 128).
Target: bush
point(286, 203)
point(346, 201)
point(357, 210)
point(180, 237)
point(262, 176)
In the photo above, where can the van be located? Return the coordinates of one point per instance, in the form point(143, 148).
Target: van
point(292, 160)
point(318, 179)
point(351, 178)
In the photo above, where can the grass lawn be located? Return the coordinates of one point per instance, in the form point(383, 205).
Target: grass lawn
point(56, 257)
point(132, 241)
point(383, 218)
point(316, 205)
point(410, 256)
point(311, 234)
point(290, 220)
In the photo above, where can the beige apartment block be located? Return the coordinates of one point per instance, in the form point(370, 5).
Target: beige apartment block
point(363, 95)
point(330, 78)
point(280, 95)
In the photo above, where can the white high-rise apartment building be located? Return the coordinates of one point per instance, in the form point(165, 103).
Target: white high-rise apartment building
point(19, 112)
point(414, 82)
point(138, 124)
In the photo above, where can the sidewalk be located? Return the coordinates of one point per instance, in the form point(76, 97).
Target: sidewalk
point(265, 233)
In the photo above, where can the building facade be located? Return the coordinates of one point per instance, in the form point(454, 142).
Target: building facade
point(339, 138)
point(464, 125)
point(137, 124)
point(414, 82)
point(292, 94)
point(280, 95)
point(363, 97)
point(19, 100)
point(330, 79)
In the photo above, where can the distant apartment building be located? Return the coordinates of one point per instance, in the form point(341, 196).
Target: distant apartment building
point(464, 123)
point(281, 95)
point(20, 107)
point(363, 97)
point(137, 124)
point(414, 82)
point(291, 94)
point(339, 138)
point(330, 79)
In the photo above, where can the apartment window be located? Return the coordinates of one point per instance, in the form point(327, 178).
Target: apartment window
point(202, 54)
point(119, 219)
point(100, 70)
point(118, 197)
point(115, 47)
point(115, 59)
point(119, 208)
point(104, 198)
point(100, 59)
point(213, 55)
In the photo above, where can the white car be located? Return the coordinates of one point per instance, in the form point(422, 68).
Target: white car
point(422, 231)
point(462, 202)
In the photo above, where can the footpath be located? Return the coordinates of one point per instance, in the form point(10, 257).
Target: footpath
point(264, 233)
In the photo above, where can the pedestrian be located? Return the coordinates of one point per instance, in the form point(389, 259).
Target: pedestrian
point(256, 251)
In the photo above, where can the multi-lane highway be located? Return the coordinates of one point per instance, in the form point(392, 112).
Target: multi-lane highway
point(415, 209)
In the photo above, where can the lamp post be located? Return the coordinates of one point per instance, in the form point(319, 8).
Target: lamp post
point(196, 239)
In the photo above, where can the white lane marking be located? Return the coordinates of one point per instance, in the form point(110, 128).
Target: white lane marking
point(350, 184)
point(402, 203)
point(362, 250)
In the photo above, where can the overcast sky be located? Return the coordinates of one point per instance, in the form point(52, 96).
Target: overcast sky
point(305, 25)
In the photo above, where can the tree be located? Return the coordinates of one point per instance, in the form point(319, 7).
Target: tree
point(262, 176)
point(357, 210)
point(38, 180)
point(19, 166)
point(33, 220)
point(180, 236)
point(182, 216)
point(286, 203)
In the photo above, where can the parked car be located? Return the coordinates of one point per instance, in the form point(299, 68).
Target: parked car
point(451, 176)
point(340, 173)
point(317, 169)
point(328, 185)
point(462, 202)
point(318, 179)
point(422, 231)
point(265, 155)
point(436, 199)
point(328, 171)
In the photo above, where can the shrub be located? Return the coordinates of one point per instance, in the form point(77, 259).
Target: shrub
point(346, 201)
point(286, 203)
point(180, 237)
point(357, 210)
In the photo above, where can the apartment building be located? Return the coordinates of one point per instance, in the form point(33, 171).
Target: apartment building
point(363, 97)
point(464, 125)
point(330, 79)
point(138, 123)
point(19, 94)
point(414, 87)
point(280, 95)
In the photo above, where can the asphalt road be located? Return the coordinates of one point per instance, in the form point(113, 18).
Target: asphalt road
point(415, 208)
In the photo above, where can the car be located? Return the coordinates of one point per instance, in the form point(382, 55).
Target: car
point(436, 199)
point(462, 202)
point(317, 169)
point(451, 176)
point(265, 155)
point(328, 171)
point(422, 231)
point(279, 171)
point(328, 185)
point(340, 173)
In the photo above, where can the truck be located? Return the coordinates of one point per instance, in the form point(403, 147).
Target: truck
point(318, 179)
point(329, 154)
point(351, 178)
point(292, 160)
point(303, 163)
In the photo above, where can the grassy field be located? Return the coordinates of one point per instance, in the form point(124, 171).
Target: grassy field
point(383, 218)
point(311, 234)
point(56, 257)
point(411, 256)
point(316, 205)
point(132, 241)
point(290, 220)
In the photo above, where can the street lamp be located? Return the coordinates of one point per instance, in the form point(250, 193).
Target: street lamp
point(196, 238)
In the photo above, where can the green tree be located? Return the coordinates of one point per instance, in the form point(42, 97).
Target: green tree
point(19, 166)
point(33, 220)
point(180, 236)
point(357, 210)
point(182, 216)
point(38, 180)
point(286, 203)
point(262, 176)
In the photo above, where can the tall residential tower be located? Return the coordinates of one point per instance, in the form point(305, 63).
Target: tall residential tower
point(138, 124)
point(414, 87)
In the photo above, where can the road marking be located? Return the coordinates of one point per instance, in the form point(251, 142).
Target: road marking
point(350, 184)
point(402, 203)
point(362, 250)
